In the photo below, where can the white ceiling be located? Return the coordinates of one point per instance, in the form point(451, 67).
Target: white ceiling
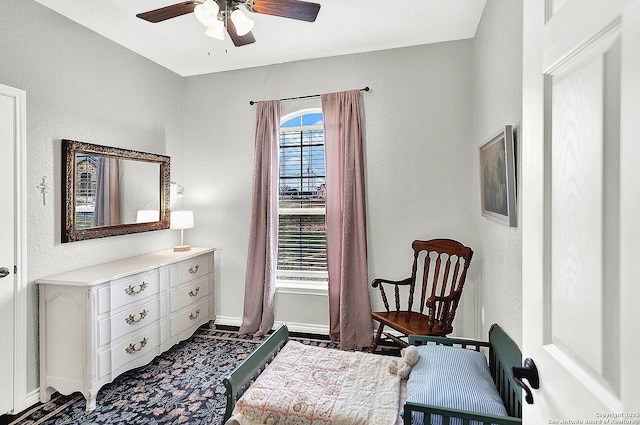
point(342, 27)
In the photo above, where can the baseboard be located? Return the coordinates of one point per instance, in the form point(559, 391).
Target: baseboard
point(305, 328)
point(32, 398)
point(309, 328)
point(293, 326)
point(28, 401)
point(228, 321)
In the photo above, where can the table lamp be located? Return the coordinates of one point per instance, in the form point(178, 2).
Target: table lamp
point(182, 220)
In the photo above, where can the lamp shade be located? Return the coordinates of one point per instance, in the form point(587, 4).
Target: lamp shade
point(216, 30)
point(182, 219)
point(207, 12)
point(147, 216)
point(241, 22)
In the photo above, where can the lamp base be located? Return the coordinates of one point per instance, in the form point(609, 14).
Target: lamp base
point(181, 248)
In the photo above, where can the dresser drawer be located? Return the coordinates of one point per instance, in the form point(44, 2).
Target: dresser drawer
point(126, 291)
point(190, 318)
point(193, 268)
point(189, 294)
point(131, 320)
point(136, 350)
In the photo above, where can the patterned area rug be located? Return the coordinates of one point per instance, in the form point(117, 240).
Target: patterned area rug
point(181, 386)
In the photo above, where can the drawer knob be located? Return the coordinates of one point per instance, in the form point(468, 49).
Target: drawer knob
point(132, 348)
point(194, 269)
point(194, 316)
point(194, 292)
point(132, 319)
point(131, 290)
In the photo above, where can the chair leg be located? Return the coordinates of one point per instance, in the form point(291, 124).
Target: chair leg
point(376, 340)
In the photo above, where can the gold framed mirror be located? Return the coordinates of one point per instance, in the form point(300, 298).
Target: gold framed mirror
point(109, 191)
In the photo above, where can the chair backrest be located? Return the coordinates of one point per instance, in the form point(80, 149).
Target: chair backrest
point(444, 271)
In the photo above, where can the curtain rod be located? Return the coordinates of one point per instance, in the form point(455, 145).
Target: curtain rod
point(253, 102)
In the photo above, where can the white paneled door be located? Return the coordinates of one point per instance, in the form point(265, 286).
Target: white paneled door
point(13, 304)
point(7, 253)
point(581, 200)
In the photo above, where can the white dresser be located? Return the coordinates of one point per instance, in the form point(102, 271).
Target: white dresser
point(100, 321)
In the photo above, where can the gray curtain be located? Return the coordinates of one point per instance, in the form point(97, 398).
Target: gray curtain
point(349, 303)
point(259, 287)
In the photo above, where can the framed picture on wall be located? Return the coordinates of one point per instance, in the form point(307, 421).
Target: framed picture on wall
point(498, 178)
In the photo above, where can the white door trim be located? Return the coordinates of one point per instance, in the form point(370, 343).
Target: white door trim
point(20, 205)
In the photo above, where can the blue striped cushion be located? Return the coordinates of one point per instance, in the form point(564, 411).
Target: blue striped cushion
point(454, 378)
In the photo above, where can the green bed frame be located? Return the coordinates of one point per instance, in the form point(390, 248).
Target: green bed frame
point(503, 354)
point(242, 376)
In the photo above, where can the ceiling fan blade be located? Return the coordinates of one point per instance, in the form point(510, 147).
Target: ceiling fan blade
point(164, 13)
point(293, 9)
point(239, 40)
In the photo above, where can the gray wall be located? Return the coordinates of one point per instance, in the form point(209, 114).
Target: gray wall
point(497, 85)
point(84, 87)
point(419, 164)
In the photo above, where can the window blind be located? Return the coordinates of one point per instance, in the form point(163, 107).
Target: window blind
point(302, 242)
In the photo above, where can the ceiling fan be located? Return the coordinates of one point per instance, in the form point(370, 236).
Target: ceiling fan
point(218, 15)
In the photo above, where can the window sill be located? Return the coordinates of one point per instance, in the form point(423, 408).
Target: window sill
point(301, 287)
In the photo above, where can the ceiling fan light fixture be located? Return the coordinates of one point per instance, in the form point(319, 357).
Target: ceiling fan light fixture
point(216, 30)
point(207, 13)
point(241, 22)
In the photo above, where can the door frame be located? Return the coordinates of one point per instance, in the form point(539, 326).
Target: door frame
point(20, 248)
point(629, 210)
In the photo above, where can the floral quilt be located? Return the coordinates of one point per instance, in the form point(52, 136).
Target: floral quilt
point(307, 385)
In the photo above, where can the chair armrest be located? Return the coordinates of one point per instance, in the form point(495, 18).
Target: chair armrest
point(376, 282)
point(431, 301)
point(442, 309)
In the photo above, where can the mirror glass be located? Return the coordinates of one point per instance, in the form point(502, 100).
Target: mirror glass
point(112, 191)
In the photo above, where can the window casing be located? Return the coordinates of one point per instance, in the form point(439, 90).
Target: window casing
point(302, 242)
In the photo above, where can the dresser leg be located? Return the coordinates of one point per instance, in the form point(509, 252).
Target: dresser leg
point(91, 401)
point(46, 393)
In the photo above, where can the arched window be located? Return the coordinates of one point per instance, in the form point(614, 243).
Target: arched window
point(302, 242)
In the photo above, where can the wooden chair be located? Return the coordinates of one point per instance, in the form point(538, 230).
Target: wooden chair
point(445, 264)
